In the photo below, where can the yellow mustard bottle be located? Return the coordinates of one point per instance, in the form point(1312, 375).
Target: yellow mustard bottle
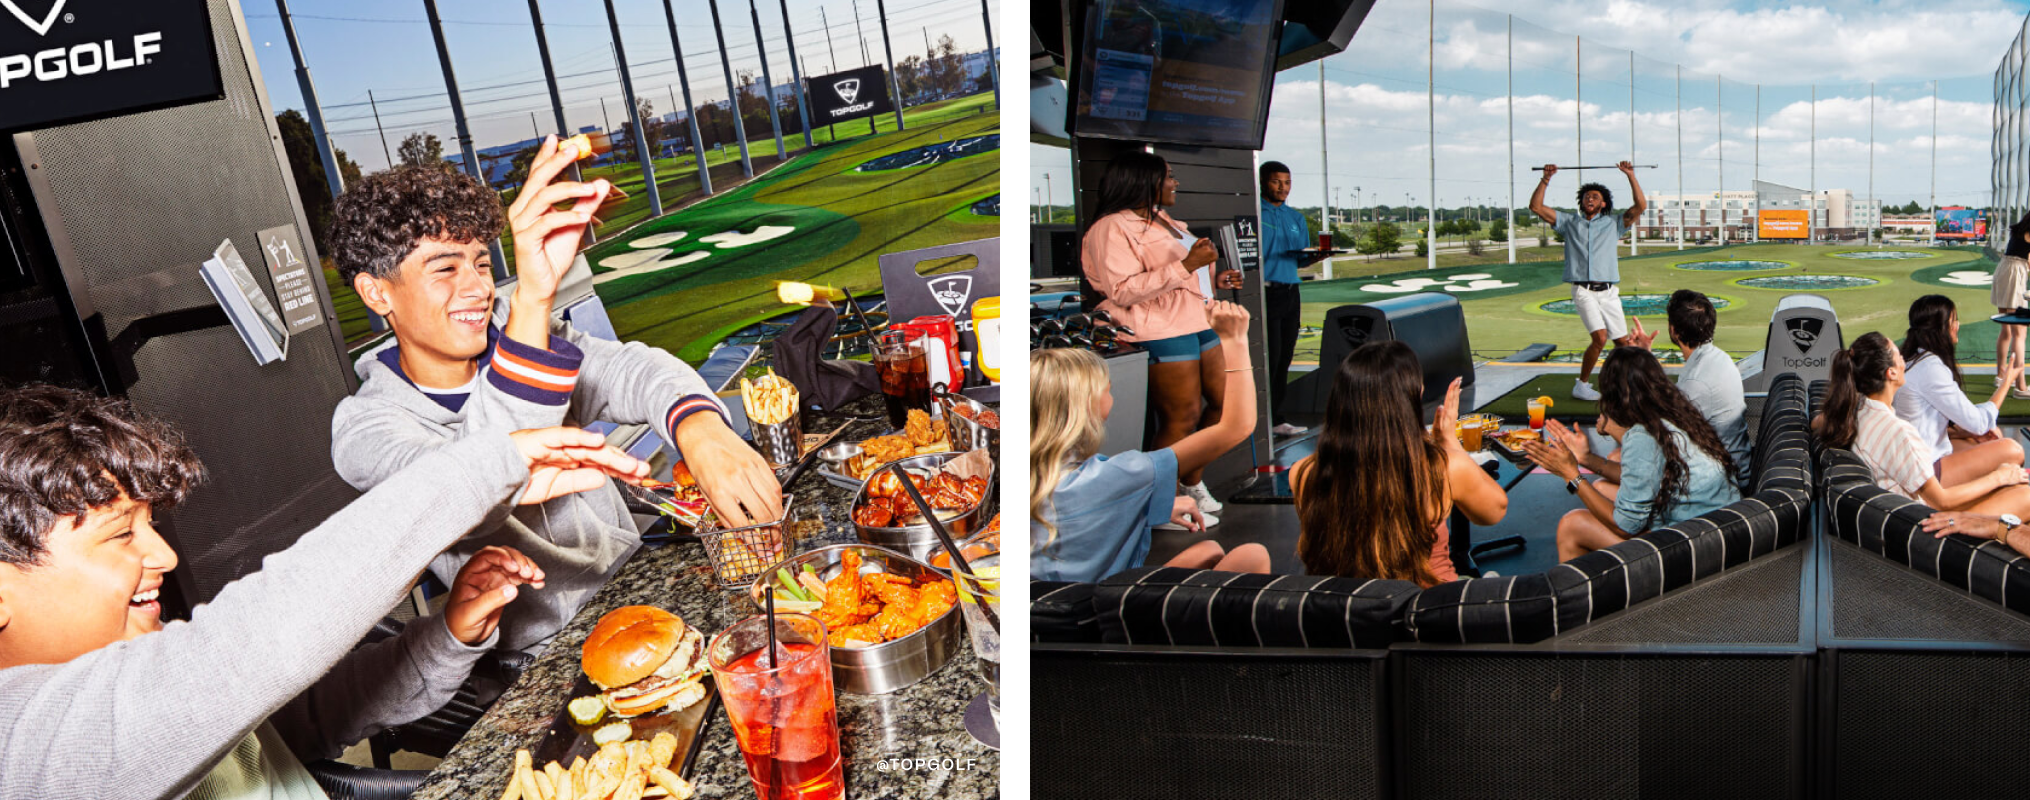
point(987, 337)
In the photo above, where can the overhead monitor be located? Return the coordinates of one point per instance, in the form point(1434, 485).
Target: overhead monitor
point(1960, 223)
point(1190, 72)
point(1773, 223)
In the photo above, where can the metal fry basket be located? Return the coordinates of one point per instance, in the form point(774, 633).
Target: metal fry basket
point(739, 555)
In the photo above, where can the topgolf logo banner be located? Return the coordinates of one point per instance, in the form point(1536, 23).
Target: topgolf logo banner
point(849, 95)
point(64, 61)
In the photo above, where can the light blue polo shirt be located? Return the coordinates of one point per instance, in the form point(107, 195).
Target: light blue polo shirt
point(1590, 256)
point(1103, 511)
point(1283, 229)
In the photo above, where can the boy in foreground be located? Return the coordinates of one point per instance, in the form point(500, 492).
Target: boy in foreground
point(413, 243)
point(101, 699)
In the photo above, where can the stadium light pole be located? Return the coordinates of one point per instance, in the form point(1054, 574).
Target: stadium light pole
point(1510, 211)
point(642, 146)
point(1431, 109)
point(1578, 99)
point(690, 110)
point(556, 97)
point(333, 179)
point(1720, 149)
point(767, 83)
point(888, 51)
point(1678, 117)
point(1812, 232)
point(1756, 186)
point(993, 58)
point(1871, 164)
point(1324, 153)
point(458, 119)
point(1634, 231)
point(732, 93)
point(796, 75)
point(1934, 162)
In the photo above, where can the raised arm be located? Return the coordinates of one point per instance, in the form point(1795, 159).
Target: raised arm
point(1537, 207)
point(1635, 207)
point(1474, 492)
point(1230, 321)
point(153, 714)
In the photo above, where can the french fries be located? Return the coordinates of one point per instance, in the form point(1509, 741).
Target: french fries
point(620, 771)
point(769, 401)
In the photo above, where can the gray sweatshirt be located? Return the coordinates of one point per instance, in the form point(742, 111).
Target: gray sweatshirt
point(580, 540)
point(149, 717)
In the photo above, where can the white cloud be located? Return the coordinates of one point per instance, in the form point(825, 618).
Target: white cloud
point(1378, 118)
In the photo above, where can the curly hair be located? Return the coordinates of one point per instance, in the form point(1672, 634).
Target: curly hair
point(64, 452)
point(1634, 392)
point(381, 220)
point(1606, 195)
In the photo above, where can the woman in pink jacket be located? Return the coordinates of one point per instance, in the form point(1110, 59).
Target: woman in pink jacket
point(1142, 262)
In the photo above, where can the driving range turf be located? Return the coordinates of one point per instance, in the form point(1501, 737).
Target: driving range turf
point(1506, 319)
point(843, 219)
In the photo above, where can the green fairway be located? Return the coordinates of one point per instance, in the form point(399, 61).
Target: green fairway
point(840, 221)
point(1503, 302)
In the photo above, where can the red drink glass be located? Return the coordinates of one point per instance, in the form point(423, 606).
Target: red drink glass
point(1324, 240)
point(783, 716)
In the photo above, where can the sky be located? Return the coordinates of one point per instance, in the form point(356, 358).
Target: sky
point(1695, 71)
point(353, 47)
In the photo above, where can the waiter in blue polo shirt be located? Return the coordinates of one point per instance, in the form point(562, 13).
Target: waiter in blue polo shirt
point(1592, 264)
point(1286, 245)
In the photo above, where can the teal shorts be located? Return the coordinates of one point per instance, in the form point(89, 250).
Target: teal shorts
point(1188, 347)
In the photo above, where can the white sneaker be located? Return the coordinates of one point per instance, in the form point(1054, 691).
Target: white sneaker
point(1287, 429)
point(1210, 521)
point(1584, 391)
point(1203, 497)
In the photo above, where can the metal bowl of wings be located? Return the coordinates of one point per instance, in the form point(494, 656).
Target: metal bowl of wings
point(953, 483)
point(973, 424)
point(892, 620)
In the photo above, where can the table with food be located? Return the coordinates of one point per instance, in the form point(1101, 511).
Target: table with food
point(671, 682)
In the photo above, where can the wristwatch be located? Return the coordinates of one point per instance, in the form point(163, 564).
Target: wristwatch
point(1572, 486)
point(2010, 522)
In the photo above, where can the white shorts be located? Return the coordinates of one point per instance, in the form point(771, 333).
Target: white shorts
point(1601, 309)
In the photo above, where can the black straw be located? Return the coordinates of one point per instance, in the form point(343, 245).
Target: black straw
point(959, 565)
point(770, 608)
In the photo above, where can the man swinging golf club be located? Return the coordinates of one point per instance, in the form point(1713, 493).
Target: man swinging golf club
point(1592, 266)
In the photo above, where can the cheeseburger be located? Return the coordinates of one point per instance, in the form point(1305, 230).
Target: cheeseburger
point(644, 659)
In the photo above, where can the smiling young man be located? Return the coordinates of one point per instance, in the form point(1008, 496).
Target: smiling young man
point(1592, 264)
point(101, 699)
point(413, 243)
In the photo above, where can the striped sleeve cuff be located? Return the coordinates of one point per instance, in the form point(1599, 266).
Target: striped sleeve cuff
point(544, 377)
point(685, 406)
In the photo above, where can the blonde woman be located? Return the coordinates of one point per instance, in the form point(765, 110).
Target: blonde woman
point(1090, 515)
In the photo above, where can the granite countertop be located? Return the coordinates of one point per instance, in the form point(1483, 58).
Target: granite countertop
point(877, 732)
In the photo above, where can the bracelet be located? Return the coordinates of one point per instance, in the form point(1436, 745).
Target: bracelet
point(1242, 369)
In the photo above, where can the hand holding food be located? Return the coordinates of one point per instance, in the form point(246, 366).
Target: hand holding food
point(484, 586)
point(731, 473)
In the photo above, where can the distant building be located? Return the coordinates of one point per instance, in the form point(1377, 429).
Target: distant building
point(1839, 214)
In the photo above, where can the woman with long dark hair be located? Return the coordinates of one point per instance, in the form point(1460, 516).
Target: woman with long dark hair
point(1673, 466)
point(2012, 284)
point(1965, 441)
point(1373, 500)
point(1142, 262)
point(1858, 416)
